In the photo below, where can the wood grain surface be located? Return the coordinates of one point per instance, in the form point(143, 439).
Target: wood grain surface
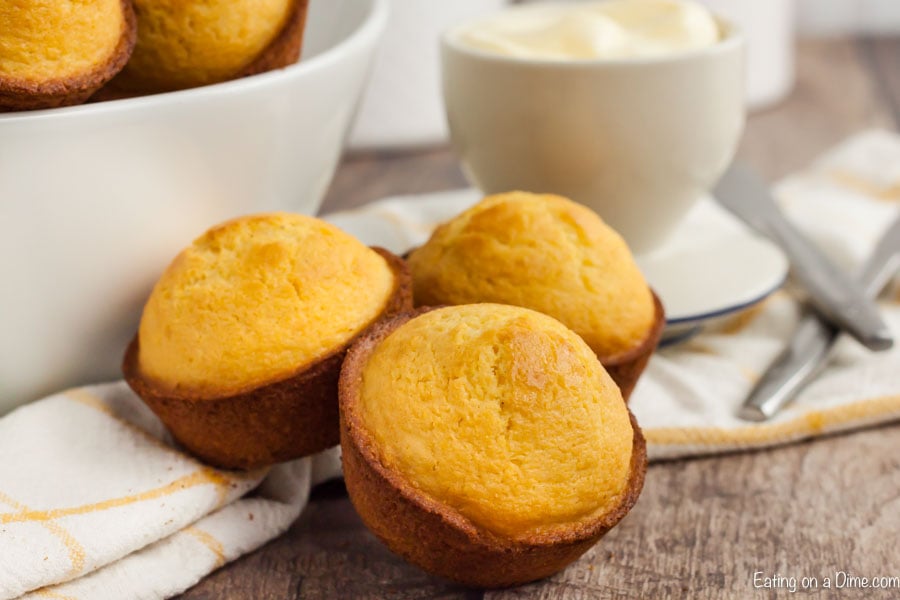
point(702, 528)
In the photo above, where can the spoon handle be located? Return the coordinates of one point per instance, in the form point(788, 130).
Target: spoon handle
point(803, 357)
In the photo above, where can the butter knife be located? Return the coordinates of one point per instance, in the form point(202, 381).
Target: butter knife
point(831, 292)
point(801, 360)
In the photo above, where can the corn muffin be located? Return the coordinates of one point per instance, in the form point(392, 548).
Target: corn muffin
point(59, 52)
point(552, 255)
point(240, 343)
point(485, 442)
point(189, 43)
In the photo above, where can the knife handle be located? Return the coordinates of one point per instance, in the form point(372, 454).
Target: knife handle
point(831, 292)
point(799, 362)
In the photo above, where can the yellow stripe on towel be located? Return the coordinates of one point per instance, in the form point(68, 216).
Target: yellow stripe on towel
point(807, 424)
point(849, 179)
point(73, 547)
point(204, 476)
point(49, 593)
point(208, 540)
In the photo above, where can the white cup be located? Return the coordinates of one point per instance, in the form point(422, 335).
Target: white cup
point(636, 140)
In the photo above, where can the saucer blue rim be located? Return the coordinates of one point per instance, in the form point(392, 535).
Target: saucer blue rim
point(729, 309)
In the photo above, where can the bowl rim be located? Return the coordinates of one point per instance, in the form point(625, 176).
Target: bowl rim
point(370, 28)
point(732, 39)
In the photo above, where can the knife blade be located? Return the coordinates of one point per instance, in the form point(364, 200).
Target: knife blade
point(814, 337)
point(831, 292)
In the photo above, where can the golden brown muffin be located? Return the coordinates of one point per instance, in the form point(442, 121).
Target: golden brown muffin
point(189, 43)
point(241, 341)
point(552, 255)
point(59, 52)
point(485, 443)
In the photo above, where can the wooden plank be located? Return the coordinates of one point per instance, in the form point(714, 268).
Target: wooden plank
point(365, 177)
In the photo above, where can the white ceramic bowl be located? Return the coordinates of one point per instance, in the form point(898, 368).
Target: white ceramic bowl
point(96, 199)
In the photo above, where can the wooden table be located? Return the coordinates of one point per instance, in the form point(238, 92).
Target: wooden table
point(701, 527)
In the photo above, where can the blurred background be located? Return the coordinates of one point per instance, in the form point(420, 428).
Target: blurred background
point(836, 17)
point(402, 108)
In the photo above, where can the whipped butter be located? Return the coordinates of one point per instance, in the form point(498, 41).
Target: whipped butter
point(615, 29)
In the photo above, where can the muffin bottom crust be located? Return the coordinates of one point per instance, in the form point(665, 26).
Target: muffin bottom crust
point(435, 536)
point(288, 418)
point(18, 95)
point(284, 50)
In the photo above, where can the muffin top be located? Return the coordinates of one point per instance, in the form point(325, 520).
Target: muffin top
point(501, 413)
point(255, 300)
point(56, 39)
point(542, 252)
point(186, 44)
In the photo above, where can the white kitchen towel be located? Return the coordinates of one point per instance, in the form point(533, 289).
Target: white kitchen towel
point(96, 502)
point(687, 398)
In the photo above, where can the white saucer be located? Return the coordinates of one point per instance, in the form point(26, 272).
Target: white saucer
point(711, 266)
